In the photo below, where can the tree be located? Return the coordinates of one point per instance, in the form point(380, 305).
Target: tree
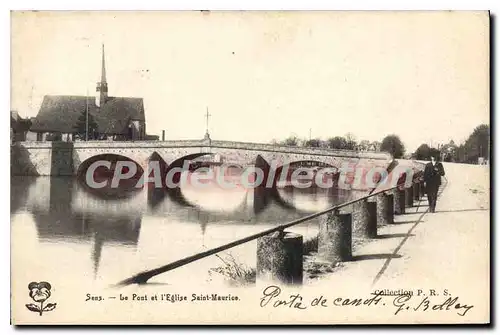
point(423, 152)
point(393, 145)
point(461, 154)
point(449, 152)
point(291, 141)
point(364, 145)
point(81, 126)
point(337, 142)
point(434, 153)
point(351, 141)
point(376, 145)
point(478, 144)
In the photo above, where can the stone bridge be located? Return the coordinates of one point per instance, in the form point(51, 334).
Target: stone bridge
point(66, 158)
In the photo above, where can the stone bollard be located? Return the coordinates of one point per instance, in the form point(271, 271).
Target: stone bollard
point(416, 191)
point(279, 258)
point(385, 208)
point(409, 196)
point(422, 189)
point(335, 237)
point(364, 219)
point(399, 201)
point(371, 225)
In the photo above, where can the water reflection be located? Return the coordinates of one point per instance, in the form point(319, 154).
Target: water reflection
point(61, 212)
point(65, 213)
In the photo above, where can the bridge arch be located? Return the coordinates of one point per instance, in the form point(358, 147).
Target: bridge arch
point(283, 189)
point(195, 198)
point(179, 162)
point(288, 168)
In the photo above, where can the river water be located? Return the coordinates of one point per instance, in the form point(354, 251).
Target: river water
point(59, 227)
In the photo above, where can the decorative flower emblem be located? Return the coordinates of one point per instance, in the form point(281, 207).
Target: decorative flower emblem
point(40, 292)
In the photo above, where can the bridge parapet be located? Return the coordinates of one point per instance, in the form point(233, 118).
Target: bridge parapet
point(302, 150)
point(113, 144)
point(213, 144)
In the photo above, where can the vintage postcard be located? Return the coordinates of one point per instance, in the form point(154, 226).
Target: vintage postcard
point(255, 168)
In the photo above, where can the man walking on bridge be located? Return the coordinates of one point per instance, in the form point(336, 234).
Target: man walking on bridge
point(432, 177)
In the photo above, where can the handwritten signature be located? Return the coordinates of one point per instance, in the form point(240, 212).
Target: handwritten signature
point(272, 297)
point(403, 302)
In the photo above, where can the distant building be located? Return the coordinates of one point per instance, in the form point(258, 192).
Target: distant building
point(367, 146)
point(482, 161)
point(375, 146)
point(65, 118)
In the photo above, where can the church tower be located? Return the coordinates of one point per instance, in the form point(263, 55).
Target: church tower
point(102, 86)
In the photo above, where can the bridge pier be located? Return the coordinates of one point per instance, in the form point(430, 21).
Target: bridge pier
point(163, 167)
point(269, 173)
point(280, 258)
point(261, 198)
point(335, 237)
point(155, 196)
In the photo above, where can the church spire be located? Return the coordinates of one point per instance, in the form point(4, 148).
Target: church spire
point(102, 86)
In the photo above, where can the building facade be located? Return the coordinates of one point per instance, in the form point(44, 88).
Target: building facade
point(103, 117)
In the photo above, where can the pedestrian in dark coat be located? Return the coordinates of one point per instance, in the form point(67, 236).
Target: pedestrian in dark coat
point(432, 178)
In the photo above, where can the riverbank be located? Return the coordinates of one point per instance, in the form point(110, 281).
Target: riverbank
point(447, 250)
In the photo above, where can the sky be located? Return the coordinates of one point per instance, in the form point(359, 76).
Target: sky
point(423, 76)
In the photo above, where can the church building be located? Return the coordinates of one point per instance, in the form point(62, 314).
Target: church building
point(72, 118)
